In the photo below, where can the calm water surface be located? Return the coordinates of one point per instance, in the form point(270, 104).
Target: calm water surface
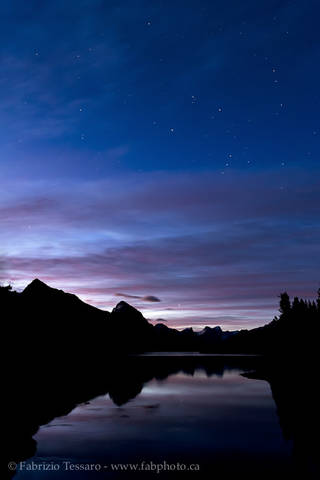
point(224, 423)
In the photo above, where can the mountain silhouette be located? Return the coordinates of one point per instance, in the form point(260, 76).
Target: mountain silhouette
point(42, 295)
point(56, 319)
point(47, 321)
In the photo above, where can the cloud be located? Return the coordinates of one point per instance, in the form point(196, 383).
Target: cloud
point(204, 244)
point(126, 295)
point(192, 201)
point(151, 298)
point(147, 298)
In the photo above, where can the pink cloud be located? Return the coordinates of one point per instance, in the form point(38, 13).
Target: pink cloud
point(190, 239)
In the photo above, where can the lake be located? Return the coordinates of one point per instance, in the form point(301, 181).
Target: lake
point(209, 421)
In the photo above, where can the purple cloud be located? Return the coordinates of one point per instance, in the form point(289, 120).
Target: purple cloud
point(201, 244)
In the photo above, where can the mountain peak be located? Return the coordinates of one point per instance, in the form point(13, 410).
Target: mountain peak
point(35, 286)
point(128, 314)
point(123, 307)
point(211, 331)
point(38, 282)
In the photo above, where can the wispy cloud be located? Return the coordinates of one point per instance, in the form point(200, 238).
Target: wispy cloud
point(146, 298)
point(204, 243)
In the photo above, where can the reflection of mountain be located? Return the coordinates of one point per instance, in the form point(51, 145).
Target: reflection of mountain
point(35, 398)
point(32, 402)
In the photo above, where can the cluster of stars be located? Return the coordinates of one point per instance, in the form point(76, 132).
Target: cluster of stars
point(271, 63)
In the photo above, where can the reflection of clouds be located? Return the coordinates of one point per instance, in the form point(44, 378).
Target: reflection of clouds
point(213, 411)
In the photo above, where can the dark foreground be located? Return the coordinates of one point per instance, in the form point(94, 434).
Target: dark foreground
point(201, 413)
point(63, 353)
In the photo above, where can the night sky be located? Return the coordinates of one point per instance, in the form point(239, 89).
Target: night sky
point(162, 150)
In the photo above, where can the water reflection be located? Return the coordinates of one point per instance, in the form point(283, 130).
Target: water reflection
point(181, 409)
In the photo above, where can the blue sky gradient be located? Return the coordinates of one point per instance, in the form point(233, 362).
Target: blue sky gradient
point(162, 148)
